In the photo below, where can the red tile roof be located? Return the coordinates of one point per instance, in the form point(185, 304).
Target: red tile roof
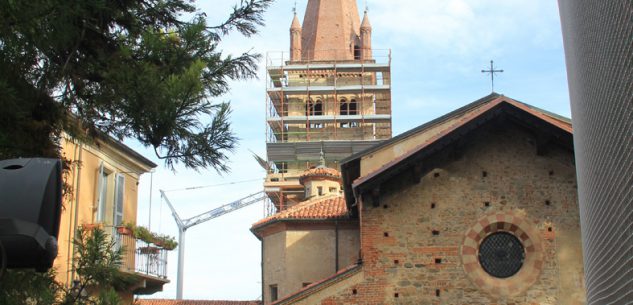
point(321, 172)
point(329, 207)
point(193, 302)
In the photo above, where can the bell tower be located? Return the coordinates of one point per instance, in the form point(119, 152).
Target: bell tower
point(331, 94)
point(331, 30)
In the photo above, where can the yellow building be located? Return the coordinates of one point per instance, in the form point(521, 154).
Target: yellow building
point(104, 176)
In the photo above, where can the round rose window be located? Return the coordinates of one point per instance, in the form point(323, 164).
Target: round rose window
point(501, 254)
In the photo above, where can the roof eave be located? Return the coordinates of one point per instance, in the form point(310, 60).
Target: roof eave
point(374, 179)
point(258, 228)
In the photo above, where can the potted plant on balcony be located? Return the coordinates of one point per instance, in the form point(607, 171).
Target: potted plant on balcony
point(162, 241)
point(125, 229)
point(142, 233)
point(91, 226)
point(166, 242)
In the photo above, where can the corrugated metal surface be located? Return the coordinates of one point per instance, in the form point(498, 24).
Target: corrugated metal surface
point(311, 151)
point(598, 38)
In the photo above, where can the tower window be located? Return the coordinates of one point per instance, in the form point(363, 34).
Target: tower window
point(356, 52)
point(344, 107)
point(273, 293)
point(349, 108)
point(314, 108)
point(353, 107)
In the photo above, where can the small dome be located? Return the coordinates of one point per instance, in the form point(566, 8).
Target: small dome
point(321, 172)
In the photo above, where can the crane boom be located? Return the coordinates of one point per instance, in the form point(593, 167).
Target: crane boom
point(184, 224)
point(173, 211)
point(227, 208)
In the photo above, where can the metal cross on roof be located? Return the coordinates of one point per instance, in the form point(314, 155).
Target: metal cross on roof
point(492, 72)
point(294, 8)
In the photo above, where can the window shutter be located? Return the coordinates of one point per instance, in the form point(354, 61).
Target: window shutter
point(101, 193)
point(119, 189)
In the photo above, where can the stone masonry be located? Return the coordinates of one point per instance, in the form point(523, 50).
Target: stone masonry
point(412, 245)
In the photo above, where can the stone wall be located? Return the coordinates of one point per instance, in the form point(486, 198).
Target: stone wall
point(417, 246)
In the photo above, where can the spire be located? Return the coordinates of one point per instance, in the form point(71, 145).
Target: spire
point(365, 24)
point(295, 37)
point(365, 38)
point(330, 29)
point(296, 25)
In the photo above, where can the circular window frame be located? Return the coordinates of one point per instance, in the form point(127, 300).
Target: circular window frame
point(514, 223)
point(512, 267)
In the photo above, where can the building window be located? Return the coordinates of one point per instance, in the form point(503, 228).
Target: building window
point(102, 193)
point(314, 108)
point(353, 107)
point(349, 108)
point(273, 293)
point(119, 189)
point(501, 254)
point(356, 52)
point(344, 108)
point(320, 190)
point(110, 200)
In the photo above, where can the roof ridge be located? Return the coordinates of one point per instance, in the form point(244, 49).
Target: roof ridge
point(308, 203)
point(488, 98)
point(308, 210)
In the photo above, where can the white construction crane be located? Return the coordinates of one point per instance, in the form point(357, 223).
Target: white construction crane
point(184, 224)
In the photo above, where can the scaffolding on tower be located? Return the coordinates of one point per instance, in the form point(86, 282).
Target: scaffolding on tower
point(340, 107)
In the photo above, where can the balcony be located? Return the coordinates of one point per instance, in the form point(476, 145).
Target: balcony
point(145, 260)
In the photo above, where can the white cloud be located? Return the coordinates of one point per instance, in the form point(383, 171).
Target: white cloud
point(461, 27)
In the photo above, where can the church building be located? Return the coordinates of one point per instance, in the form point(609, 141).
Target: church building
point(478, 206)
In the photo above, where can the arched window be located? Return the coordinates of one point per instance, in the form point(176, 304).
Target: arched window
point(349, 108)
point(344, 108)
point(314, 108)
point(318, 108)
point(353, 107)
point(356, 52)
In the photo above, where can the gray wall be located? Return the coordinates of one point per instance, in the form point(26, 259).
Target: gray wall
point(598, 37)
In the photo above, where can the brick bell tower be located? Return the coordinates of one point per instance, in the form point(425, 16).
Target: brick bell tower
point(330, 94)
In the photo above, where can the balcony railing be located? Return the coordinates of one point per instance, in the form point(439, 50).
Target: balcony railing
point(139, 256)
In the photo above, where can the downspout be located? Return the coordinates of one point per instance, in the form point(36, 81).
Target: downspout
point(79, 161)
point(70, 224)
point(262, 268)
point(336, 263)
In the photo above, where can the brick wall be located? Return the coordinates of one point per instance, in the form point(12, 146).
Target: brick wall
point(598, 38)
point(406, 262)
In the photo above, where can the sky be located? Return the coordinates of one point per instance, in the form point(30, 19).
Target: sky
point(438, 49)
